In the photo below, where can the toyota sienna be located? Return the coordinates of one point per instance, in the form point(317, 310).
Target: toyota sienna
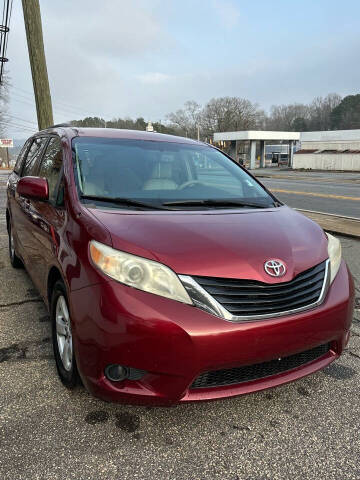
point(170, 273)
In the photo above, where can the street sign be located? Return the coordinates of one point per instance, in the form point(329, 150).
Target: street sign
point(6, 143)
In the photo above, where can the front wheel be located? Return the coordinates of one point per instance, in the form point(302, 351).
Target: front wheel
point(14, 259)
point(62, 337)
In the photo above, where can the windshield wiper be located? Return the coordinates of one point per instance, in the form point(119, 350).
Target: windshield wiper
point(215, 203)
point(123, 201)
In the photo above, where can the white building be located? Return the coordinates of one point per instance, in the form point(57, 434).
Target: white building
point(329, 150)
point(253, 137)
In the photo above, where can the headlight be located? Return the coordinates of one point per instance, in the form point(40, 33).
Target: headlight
point(334, 251)
point(138, 272)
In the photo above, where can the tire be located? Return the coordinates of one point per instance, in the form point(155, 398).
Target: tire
point(62, 337)
point(14, 259)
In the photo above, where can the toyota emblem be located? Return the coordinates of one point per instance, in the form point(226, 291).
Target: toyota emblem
point(275, 268)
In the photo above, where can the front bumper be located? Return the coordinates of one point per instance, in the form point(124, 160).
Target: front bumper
point(175, 342)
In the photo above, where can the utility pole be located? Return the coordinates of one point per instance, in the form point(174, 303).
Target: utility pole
point(32, 19)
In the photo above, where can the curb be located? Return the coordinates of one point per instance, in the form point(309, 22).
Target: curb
point(300, 177)
point(349, 226)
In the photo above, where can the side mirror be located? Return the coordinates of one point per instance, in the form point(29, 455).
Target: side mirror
point(33, 187)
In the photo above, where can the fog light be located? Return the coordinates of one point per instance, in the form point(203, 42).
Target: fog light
point(116, 373)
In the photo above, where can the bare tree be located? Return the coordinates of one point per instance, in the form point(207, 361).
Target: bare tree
point(320, 111)
point(187, 119)
point(287, 117)
point(300, 117)
point(227, 114)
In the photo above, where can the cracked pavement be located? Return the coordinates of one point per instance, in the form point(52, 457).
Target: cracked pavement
point(305, 430)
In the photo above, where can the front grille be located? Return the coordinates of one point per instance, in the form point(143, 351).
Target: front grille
point(250, 297)
point(231, 376)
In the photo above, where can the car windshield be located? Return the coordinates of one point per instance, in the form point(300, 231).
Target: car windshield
point(138, 174)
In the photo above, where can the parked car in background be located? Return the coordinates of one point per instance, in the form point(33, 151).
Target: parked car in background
point(170, 273)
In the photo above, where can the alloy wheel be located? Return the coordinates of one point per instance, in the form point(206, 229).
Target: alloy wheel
point(63, 333)
point(12, 248)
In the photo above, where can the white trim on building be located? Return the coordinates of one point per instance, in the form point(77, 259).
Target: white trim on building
point(256, 135)
point(331, 136)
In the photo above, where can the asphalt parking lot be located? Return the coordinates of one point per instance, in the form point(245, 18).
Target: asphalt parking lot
point(309, 429)
point(328, 192)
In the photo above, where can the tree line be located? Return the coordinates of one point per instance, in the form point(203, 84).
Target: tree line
point(232, 113)
point(331, 112)
point(226, 114)
point(123, 123)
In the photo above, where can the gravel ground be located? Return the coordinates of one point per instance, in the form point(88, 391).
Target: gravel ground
point(305, 430)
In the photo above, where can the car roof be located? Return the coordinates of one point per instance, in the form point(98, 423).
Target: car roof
point(72, 132)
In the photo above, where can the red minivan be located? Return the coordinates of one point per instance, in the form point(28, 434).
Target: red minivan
point(170, 273)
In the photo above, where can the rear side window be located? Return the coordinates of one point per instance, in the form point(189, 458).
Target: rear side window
point(32, 156)
point(51, 166)
point(21, 156)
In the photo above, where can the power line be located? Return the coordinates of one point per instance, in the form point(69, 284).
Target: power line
point(61, 110)
point(2, 24)
point(18, 127)
point(31, 103)
point(62, 105)
point(8, 24)
point(21, 119)
point(67, 106)
point(15, 122)
point(4, 33)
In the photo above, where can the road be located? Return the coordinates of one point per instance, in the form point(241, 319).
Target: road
point(337, 194)
point(305, 430)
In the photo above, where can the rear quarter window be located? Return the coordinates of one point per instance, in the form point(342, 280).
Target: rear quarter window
point(50, 167)
point(33, 155)
point(21, 156)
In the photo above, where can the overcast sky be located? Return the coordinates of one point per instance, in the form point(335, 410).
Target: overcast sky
point(146, 58)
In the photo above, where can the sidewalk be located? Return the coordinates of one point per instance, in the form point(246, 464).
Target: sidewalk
point(335, 223)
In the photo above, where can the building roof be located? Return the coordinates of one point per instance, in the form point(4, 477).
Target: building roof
point(256, 135)
point(331, 136)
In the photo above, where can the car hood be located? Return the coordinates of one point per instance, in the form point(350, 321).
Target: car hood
point(231, 244)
